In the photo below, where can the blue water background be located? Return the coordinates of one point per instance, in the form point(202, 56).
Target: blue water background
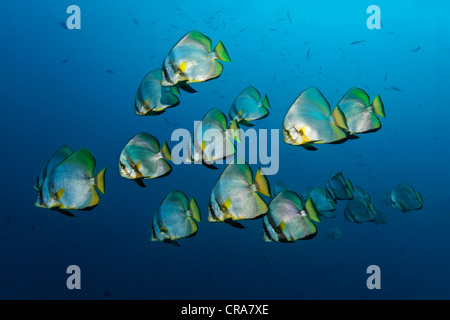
point(55, 91)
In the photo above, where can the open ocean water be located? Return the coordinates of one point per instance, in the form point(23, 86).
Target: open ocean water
point(77, 87)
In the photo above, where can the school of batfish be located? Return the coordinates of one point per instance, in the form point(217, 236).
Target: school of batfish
point(67, 181)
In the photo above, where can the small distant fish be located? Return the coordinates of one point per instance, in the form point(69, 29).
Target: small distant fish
point(176, 218)
point(290, 218)
point(325, 206)
point(106, 293)
point(385, 77)
point(307, 53)
point(151, 57)
point(174, 26)
point(273, 29)
point(143, 158)
point(356, 42)
point(395, 89)
point(289, 17)
point(405, 198)
point(360, 208)
point(8, 219)
point(334, 232)
point(65, 60)
point(249, 106)
point(109, 71)
point(33, 227)
point(193, 59)
point(242, 30)
point(339, 189)
point(416, 49)
point(136, 22)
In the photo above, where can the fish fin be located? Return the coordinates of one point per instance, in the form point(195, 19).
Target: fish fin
point(261, 183)
point(169, 100)
point(339, 118)
point(234, 126)
point(309, 147)
point(265, 102)
point(311, 210)
point(95, 198)
point(419, 197)
point(312, 229)
point(209, 165)
point(203, 145)
point(200, 38)
point(99, 180)
point(226, 205)
point(172, 242)
point(339, 133)
point(163, 230)
point(140, 183)
point(378, 106)
point(234, 223)
point(246, 123)
point(195, 210)
point(64, 212)
point(353, 137)
point(58, 194)
point(182, 67)
point(185, 87)
point(281, 226)
point(261, 204)
point(221, 52)
point(175, 90)
point(165, 151)
point(349, 186)
point(218, 68)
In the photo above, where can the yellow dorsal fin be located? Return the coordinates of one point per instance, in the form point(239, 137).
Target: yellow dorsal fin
point(182, 67)
point(203, 145)
point(138, 166)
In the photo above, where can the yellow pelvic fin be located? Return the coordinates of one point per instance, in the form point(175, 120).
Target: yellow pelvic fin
point(57, 195)
point(282, 226)
point(182, 67)
point(226, 205)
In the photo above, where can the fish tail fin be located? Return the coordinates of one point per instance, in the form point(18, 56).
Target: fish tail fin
point(265, 102)
point(349, 187)
point(311, 210)
point(99, 180)
point(339, 118)
point(195, 211)
point(378, 106)
point(165, 151)
point(419, 197)
point(235, 130)
point(261, 183)
point(221, 52)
